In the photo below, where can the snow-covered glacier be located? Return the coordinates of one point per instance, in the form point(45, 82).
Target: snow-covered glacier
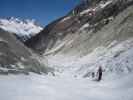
point(74, 47)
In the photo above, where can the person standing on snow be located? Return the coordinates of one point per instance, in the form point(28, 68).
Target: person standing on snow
point(99, 72)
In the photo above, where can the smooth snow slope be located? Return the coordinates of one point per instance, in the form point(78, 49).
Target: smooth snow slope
point(35, 87)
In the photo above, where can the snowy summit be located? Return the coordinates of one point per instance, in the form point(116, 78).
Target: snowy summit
point(20, 27)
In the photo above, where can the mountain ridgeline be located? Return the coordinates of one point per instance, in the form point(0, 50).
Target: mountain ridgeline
point(88, 25)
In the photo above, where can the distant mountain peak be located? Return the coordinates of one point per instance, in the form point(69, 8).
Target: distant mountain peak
point(20, 27)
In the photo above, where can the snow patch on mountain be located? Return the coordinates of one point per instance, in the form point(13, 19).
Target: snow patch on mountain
point(104, 4)
point(67, 18)
point(20, 27)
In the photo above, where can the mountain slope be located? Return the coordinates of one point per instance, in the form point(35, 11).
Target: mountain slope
point(15, 57)
point(79, 23)
point(70, 42)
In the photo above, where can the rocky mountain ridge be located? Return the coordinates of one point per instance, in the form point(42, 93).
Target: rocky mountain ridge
point(16, 58)
point(89, 18)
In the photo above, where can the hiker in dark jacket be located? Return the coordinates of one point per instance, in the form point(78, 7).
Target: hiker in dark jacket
point(99, 72)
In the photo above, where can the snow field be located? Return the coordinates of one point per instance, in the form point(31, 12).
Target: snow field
point(38, 87)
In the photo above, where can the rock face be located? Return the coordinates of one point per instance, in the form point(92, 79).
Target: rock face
point(15, 57)
point(90, 24)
